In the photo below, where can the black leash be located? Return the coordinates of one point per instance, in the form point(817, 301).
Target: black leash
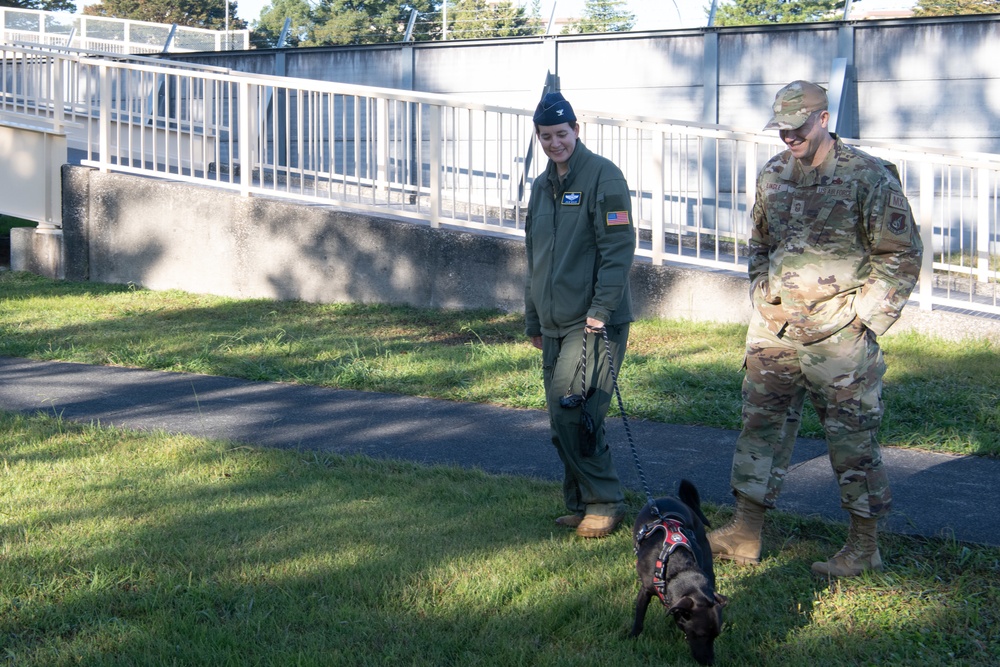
point(621, 407)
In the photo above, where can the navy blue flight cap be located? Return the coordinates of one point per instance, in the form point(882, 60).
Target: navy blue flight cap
point(553, 110)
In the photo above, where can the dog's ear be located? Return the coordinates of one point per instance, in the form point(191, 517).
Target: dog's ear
point(721, 600)
point(682, 606)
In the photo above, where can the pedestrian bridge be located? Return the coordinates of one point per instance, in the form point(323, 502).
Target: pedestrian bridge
point(111, 35)
point(433, 159)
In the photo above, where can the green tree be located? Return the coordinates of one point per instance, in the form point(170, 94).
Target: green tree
point(538, 24)
point(479, 19)
point(756, 12)
point(363, 21)
point(44, 5)
point(192, 13)
point(266, 29)
point(955, 7)
point(603, 16)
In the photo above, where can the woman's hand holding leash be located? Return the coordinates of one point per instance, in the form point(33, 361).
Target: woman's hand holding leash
point(593, 326)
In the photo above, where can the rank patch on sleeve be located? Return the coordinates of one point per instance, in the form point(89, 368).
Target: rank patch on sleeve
point(896, 200)
point(572, 198)
point(617, 218)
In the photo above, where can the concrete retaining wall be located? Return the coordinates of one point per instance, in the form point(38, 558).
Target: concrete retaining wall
point(124, 229)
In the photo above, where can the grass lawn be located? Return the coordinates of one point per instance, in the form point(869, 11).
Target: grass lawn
point(123, 548)
point(940, 395)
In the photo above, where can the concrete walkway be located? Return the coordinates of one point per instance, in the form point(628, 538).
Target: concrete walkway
point(935, 495)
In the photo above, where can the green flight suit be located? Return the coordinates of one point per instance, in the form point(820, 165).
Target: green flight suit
point(580, 241)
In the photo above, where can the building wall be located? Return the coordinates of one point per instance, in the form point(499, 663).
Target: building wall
point(928, 81)
point(932, 83)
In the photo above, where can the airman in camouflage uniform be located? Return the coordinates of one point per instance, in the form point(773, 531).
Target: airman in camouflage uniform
point(834, 255)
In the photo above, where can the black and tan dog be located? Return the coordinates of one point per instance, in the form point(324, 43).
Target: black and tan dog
point(674, 562)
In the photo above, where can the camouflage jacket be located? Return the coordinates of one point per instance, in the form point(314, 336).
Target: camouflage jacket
point(830, 245)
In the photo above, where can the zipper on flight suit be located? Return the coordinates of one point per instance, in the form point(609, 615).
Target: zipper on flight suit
point(552, 258)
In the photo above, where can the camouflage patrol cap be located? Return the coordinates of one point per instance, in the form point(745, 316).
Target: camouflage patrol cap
point(794, 103)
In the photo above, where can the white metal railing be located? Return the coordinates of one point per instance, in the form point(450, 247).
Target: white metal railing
point(955, 198)
point(112, 35)
point(445, 161)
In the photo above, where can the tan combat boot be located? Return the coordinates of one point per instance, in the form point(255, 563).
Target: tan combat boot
point(859, 554)
point(570, 520)
point(595, 525)
point(739, 540)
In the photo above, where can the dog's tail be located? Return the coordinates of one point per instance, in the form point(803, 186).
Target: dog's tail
point(688, 493)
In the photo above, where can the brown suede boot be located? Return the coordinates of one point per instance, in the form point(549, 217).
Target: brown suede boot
point(739, 540)
point(859, 554)
point(595, 525)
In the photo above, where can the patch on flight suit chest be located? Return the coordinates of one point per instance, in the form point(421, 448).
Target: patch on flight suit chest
point(572, 198)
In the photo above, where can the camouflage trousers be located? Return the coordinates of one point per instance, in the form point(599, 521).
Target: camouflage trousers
point(591, 484)
point(842, 376)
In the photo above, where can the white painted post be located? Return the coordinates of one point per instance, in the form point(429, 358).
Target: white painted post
point(382, 142)
point(59, 94)
point(983, 226)
point(54, 147)
point(925, 213)
point(659, 196)
point(245, 120)
point(434, 158)
point(750, 175)
point(104, 121)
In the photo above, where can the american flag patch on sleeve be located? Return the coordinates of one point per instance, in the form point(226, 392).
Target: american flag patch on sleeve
point(618, 218)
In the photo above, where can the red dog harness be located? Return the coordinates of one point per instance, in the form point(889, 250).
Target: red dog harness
point(673, 537)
